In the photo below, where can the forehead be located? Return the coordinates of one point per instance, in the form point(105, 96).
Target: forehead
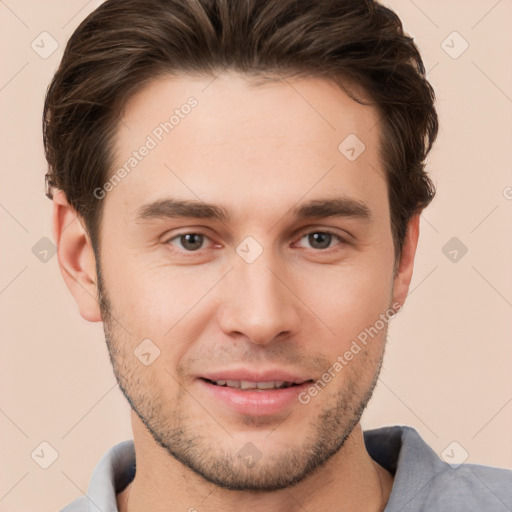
point(209, 137)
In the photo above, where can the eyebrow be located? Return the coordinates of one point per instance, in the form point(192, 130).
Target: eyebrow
point(174, 208)
point(336, 207)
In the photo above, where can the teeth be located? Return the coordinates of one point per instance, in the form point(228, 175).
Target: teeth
point(269, 385)
point(245, 384)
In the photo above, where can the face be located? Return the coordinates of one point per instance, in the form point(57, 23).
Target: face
point(243, 250)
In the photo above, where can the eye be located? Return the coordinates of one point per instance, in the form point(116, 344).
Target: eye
point(189, 241)
point(321, 239)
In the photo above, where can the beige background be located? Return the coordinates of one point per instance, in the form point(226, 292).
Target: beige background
point(447, 369)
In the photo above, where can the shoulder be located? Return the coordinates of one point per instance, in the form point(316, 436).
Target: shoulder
point(114, 471)
point(78, 505)
point(423, 481)
point(474, 486)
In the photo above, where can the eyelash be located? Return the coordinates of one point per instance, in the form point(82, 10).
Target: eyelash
point(341, 240)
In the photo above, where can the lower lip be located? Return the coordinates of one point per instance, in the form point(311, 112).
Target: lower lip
point(255, 403)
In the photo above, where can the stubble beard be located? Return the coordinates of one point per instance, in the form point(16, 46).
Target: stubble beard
point(207, 457)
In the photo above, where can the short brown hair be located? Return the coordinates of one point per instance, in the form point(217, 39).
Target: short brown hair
point(124, 44)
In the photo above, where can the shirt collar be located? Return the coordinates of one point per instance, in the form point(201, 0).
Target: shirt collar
point(398, 449)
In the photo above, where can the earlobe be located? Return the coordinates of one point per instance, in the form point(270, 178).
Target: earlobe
point(76, 257)
point(402, 279)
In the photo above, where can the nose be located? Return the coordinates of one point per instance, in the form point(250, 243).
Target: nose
point(259, 304)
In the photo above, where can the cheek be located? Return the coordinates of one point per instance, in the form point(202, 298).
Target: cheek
point(347, 300)
point(159, 301)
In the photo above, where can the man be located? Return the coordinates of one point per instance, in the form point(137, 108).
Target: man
point(237, 189)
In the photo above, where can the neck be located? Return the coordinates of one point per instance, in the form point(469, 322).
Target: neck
point(349, 480)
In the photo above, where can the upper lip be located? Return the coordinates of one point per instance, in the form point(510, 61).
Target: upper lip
point(268, 375)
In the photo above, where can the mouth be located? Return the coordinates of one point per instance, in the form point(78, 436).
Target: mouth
point(245, 385)
point(256, 394)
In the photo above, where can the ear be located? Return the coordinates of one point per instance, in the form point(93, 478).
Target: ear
point(76, 257)
point(403, 273)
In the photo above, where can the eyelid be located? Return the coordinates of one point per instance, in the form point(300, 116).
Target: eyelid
point(170, 234)
point(168, 240)
point(341, 240)
point(304, 232)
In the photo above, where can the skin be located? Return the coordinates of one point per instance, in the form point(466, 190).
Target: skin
point(259, 152)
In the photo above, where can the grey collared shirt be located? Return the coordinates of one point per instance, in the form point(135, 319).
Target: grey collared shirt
point(423, 482)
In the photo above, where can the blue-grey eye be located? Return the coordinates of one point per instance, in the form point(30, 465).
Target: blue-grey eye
point(320, 240)
point(191, 241)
